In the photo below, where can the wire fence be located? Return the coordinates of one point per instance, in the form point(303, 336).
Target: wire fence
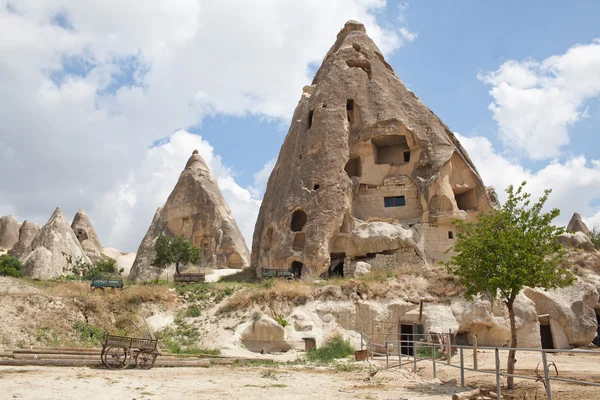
point(439, 350)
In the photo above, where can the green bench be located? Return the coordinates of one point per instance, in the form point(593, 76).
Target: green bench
point(277, 273)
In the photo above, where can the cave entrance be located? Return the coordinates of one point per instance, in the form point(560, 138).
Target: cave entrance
point(297, 269)
point(391, 149)
point(466, 199)
point(596, 340)
point(353, 167)
point(299, 218)
point(546, 332)
point(336, 266)
point(406, 339)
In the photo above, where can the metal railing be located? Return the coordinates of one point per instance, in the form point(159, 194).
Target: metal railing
point(412, 343)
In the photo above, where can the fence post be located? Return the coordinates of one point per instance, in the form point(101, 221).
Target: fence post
point(475, 352)
point(414, 355)
point(371, 345)
point(361, 341)
point(546, 376)
point(499, 396)
point(462, 368)
point(387, 358)
point(449, 347)
point(433, 359)
point(399, 356)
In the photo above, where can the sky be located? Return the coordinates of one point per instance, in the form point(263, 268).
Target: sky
point(103, 102)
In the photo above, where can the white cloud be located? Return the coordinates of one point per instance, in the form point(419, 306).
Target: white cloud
point(261, 178)
point(575, 183)
point(535, 103)
point(80, 106)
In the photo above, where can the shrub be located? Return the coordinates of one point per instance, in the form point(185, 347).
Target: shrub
point(88, 333)
point(336, 347)
point(280, 319)
point(192, 311)
point(10, 266)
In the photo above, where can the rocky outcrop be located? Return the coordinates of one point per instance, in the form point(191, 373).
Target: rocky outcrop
point(577, 240)
point(570, 313)
point(363, 151)
point(576, 224)
point(196, 210)
point(265, 333)
point(86, 234)
point(54, 250)
point(27, 233)
point(9, 232)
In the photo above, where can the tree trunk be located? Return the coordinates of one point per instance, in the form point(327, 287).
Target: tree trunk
point(177, 268)
point(513, 344)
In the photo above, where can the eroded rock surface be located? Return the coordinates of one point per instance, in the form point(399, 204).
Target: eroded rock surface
point(86, 234)
point(576, 224)
point(265, 333)
point(54, 250)
point(27, 233)
point(9, 232)
point(366, 169)
point(577, 240)
point(197, 210)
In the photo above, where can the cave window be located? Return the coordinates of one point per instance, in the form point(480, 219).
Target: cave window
point(394, 201)
point(298, 220)
point(362, 64)
point(310, 118)
point(336, 266)
point(406, 156)
point(316, 186)
point(297, 269)
point(450, 235)
point(353, 167)
point(391, 149)
point(350, 110)
point(466, 200)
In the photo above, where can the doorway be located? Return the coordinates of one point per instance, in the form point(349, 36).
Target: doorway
point(406, 339)
point(297, 269)
point(546, 337)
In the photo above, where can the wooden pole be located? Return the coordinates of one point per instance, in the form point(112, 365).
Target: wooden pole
point(475, 352)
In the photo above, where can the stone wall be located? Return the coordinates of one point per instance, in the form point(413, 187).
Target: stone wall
point(437, 240)
point(369, 201)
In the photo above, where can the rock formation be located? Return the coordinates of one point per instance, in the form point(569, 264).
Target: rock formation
point(578, 240)
point(366, 169)
point(197, 210)
point(54, 250)
point(86, 234)
point(27, 233)
point(576, 224)
point(9, 232)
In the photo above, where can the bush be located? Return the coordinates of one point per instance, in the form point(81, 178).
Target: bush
point(88, 333)
point(10, 266)
point(192, 311)
point(336, 347)
point(102, 268)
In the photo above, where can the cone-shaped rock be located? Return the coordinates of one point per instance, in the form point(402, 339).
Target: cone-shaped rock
point(366, 171)
point(27, 233)
point(576, 224)
point(86, 234)
point(9, 232)
point(54, 250)
point(197, 210)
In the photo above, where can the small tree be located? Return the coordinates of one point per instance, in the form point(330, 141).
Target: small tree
point(174, 250)
point(10, 266)
point(509, 249)
point(595, 236)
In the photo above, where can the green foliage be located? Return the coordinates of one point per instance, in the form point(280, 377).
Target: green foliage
point(427, 352)
point(100, 269)
point(596, 236)
point(175, 250)
point(182, 339)
point(192, 311)
point(336, 347)
point(280, 319)
point(10, 266)
point(509, 249)
point(88, 333)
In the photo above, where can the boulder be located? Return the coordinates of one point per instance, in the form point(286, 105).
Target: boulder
point(27, 233)
point(570, 311)
point(86, 234)
point(265, 333)
point(576, 224)
point(196, 210)
point(362, 268)
point(9, 232)
point(365, 168)
point(54, 251)
point(577, 240)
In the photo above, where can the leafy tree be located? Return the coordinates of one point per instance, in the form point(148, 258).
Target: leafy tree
point(174, 250)
point(508, 249)
point(596, 236)
point(10, 266)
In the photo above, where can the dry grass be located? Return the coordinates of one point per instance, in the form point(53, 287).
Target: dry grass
point(281, 292)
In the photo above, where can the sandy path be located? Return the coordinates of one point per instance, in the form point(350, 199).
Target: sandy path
point(211, 383)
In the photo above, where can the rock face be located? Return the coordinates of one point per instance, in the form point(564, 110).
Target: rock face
point(578, 240)
point(52, 247)
point(197, 210)
point(265, 333)
point(27, 233)
point(9, 232)
point(576, 224)
point(86, 234)
point(366, 168)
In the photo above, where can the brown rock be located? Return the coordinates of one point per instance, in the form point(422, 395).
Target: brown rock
point(197, 210)
point(54, 250)
point(27, 233)
point(86, 234)
point(576, 224)
point(365, 168)
point(9, 232)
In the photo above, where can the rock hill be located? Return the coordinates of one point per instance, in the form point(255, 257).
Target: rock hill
point(27, 233)
point(9, 232)
point(197, 210)
point(367, 172)
point(86, 234)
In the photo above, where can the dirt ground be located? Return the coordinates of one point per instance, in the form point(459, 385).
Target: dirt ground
point(249, 383)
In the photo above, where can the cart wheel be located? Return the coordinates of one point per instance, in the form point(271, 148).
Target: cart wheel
point(145, 359)
point(115, 357)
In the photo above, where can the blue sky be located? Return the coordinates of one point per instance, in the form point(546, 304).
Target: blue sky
point(102, 102)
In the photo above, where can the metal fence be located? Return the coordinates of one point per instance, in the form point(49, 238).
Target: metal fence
point(414, 348)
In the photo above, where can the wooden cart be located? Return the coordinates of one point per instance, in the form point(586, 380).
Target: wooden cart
point(102, 283)
point(117, 352)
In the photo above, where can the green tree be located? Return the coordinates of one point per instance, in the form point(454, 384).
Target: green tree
point(10, 266)
point(508, 249)
point(174, 250)
point(596, 236)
